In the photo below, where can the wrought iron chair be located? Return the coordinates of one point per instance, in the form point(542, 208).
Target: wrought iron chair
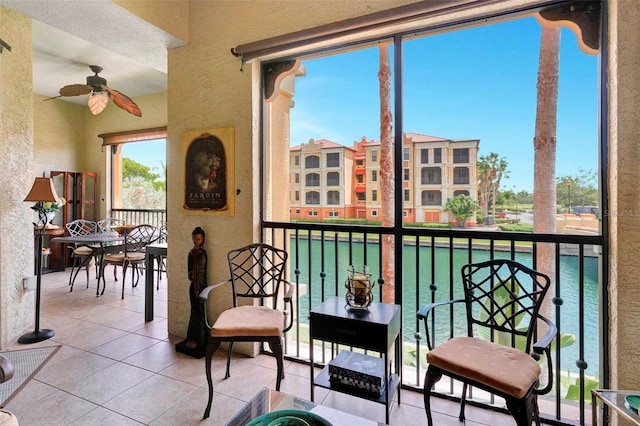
point(81, 254)
point(107, 225)
point(162, 266)
point(502, 299)
point(256, 272)
point(133, 254)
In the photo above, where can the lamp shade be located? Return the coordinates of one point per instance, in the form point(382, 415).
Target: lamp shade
point(42, 190)
point(97, 102)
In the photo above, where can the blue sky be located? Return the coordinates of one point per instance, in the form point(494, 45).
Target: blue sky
point(477, 83)
point(148, 153)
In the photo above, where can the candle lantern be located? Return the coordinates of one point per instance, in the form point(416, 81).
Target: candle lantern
point(359, 287)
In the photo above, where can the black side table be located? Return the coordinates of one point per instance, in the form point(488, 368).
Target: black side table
point(375, 329)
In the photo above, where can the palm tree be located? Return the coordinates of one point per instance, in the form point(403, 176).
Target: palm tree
point(484, 175)
point(386, 173)
point(544, 145)
point(491, 170)
point(499, 167)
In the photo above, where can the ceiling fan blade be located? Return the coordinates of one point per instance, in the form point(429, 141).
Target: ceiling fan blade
point(75, 90)
point(123, 101)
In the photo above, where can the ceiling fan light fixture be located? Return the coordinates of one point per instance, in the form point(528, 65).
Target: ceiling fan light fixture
point(97, 102)
point(99, 94)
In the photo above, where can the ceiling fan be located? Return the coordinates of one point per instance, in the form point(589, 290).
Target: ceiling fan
point(99, 94)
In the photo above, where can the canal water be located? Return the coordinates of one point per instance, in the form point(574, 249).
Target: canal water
point(416, 286)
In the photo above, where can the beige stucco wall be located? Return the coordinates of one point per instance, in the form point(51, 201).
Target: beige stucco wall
point(170, 16)
point(624, 208)
point(59, 132)
point(16, 176)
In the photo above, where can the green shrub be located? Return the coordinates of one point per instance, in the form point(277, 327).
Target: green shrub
point(436, 225)
point(516, 227)
point(346, 221)
point(427, 225)
point(305, 220)
point(351, 221)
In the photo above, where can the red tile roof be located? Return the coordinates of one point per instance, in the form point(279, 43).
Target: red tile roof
point(324, 144)
point(327, 144)
point(418, 137)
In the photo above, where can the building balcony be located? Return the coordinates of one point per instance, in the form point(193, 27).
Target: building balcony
point(432, 259)
point(79, 380)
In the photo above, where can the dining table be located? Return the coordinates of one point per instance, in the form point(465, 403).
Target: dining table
point(123, 229)
point(153, 251)
point(100, 244)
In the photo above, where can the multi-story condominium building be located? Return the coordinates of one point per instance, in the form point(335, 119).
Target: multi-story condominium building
point(332, 180)
point(321, 180)
point(436, 169)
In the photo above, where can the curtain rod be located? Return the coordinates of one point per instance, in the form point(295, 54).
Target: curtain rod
point(117, 138)
point(398, 15)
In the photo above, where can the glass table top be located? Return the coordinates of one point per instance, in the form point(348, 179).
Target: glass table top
point(617, 399)
point(269, 400)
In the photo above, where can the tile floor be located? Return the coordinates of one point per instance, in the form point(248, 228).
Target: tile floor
point(115, 369)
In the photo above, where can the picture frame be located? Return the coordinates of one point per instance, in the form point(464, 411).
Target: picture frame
point(209, 160)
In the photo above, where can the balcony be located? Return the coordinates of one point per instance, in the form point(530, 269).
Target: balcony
point(431, 261)
point(155, 217)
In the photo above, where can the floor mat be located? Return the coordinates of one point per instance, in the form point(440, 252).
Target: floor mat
point(27, 362)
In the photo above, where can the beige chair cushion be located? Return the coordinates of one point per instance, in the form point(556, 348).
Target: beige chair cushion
point(83, 251)
point(135, 256)
point(506, 369)
point(249, 321)
point(119, 257)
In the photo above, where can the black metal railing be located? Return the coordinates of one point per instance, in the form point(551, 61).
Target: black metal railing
point(431, 260)
point(155, 217)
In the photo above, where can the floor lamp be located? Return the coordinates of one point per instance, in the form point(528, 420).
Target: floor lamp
point(41, 192)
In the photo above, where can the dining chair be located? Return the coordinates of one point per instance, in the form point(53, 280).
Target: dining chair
point(502, 348)
point(133, 253)
point(81, 254)
point(162, 265)
point(106, 225)
point(257, 272)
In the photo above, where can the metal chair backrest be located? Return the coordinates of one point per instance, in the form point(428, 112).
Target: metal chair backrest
point(81, 227)
point(503, 300)
point(106, 225)
point(162, 238)
point(256, 271)
point(139, 237)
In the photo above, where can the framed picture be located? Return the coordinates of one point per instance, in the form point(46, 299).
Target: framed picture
point(209, 174)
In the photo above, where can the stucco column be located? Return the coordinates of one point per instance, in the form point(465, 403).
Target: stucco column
point(16, 177)
point(624, 200)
